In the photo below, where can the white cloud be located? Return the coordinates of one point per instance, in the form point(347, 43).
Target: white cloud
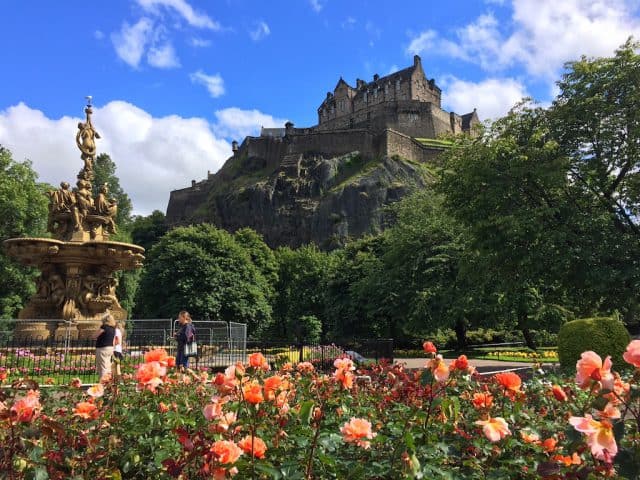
point(214, 83)
point(186, 11)
point(424, 42)
point(317, 5)
point(541, 35)
point(199, 42)
point(492, 97)
point(131, 41)
point(234, 123)
point(153, 155)
point(262, 30)
point(163, 56)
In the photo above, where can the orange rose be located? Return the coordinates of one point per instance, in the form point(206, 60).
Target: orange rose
point(271, 385)
point(460, 363)
point(226, 451)
point(591, 368)
point(86, 410)
point(429, 347)
point(559, 393)
point(344, 377)
point(494, 429)
point(632, 355)
point(149, 375)
point(509, 380)
point(27, 408)
point(253, 393)
point(358, 431)
point(255, 444)
point(549, 444)
point(158, 355)
point(482, 400)
point(257, 360)
point(600, 436)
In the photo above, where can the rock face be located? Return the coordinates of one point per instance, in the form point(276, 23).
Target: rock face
point(300, 199)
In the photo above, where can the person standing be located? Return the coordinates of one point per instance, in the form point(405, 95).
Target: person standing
point(117, 346)
point(104, 345)
point(185, 334)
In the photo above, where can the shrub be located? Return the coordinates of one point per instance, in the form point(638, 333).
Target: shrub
point(603, 335)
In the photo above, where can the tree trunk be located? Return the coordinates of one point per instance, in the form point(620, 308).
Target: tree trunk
point(526, 333)
point(461, 333)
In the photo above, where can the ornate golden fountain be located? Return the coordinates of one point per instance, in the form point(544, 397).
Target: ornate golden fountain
point(77, 283)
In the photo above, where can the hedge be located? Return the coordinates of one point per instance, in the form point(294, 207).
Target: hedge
point(603, 335)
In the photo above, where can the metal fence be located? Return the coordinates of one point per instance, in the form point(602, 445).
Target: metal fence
point(60, 358)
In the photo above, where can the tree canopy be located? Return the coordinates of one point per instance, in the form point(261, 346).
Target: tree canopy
point(23, 209)
point(206, 271)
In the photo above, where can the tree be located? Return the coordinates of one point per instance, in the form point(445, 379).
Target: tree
point(105, 172)
point(345, 306)
point(509, 187)
point(23, 209)
point(300, 287)
point(204, 270)
point(147, 230)
point(261, 255)
point(550, 196)
point(596, 121)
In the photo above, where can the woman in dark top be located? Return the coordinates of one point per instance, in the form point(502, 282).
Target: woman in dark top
point(184, 335)
point(104, 345)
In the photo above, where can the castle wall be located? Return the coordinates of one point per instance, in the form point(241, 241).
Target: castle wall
point(183, 202)
point(396, 143)
point(333, 143)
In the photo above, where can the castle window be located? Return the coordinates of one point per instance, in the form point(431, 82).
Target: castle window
point(398, 85)
point(375, 93)
point(366, 95)
point(386, 89)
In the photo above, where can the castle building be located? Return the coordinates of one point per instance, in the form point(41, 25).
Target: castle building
point(405, 101)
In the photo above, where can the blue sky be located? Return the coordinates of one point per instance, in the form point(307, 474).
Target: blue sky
point(174, 81)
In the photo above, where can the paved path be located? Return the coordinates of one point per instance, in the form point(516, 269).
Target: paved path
point(483, 366)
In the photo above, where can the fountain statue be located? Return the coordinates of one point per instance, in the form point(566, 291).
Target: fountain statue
point(77, 284)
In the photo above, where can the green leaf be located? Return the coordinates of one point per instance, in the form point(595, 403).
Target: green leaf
point(305, 411)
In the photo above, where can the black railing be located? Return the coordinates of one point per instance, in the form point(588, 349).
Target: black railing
point(59, 361)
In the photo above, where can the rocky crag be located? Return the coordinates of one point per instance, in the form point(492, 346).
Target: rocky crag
point(303, 199)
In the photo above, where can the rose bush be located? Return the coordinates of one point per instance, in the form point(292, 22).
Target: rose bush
point(443, 421)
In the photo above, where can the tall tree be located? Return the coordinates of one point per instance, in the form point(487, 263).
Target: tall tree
point(597, 123)
point(23, 209)
point(105, 172)
point(147, 230)
point(204, 270)
point(301, 278)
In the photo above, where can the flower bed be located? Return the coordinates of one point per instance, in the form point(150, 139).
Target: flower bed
point(383, 422)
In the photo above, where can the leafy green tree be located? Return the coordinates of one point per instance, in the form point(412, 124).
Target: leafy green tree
point(596, 121)
point(147, 230)
point(262, 256)
point(345, 306)
point(105, 172)
point(204, 270)
point(550, 196)
point(300, 289)
point(23, 209)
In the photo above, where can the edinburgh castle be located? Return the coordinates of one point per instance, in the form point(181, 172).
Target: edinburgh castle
point(289, 179)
